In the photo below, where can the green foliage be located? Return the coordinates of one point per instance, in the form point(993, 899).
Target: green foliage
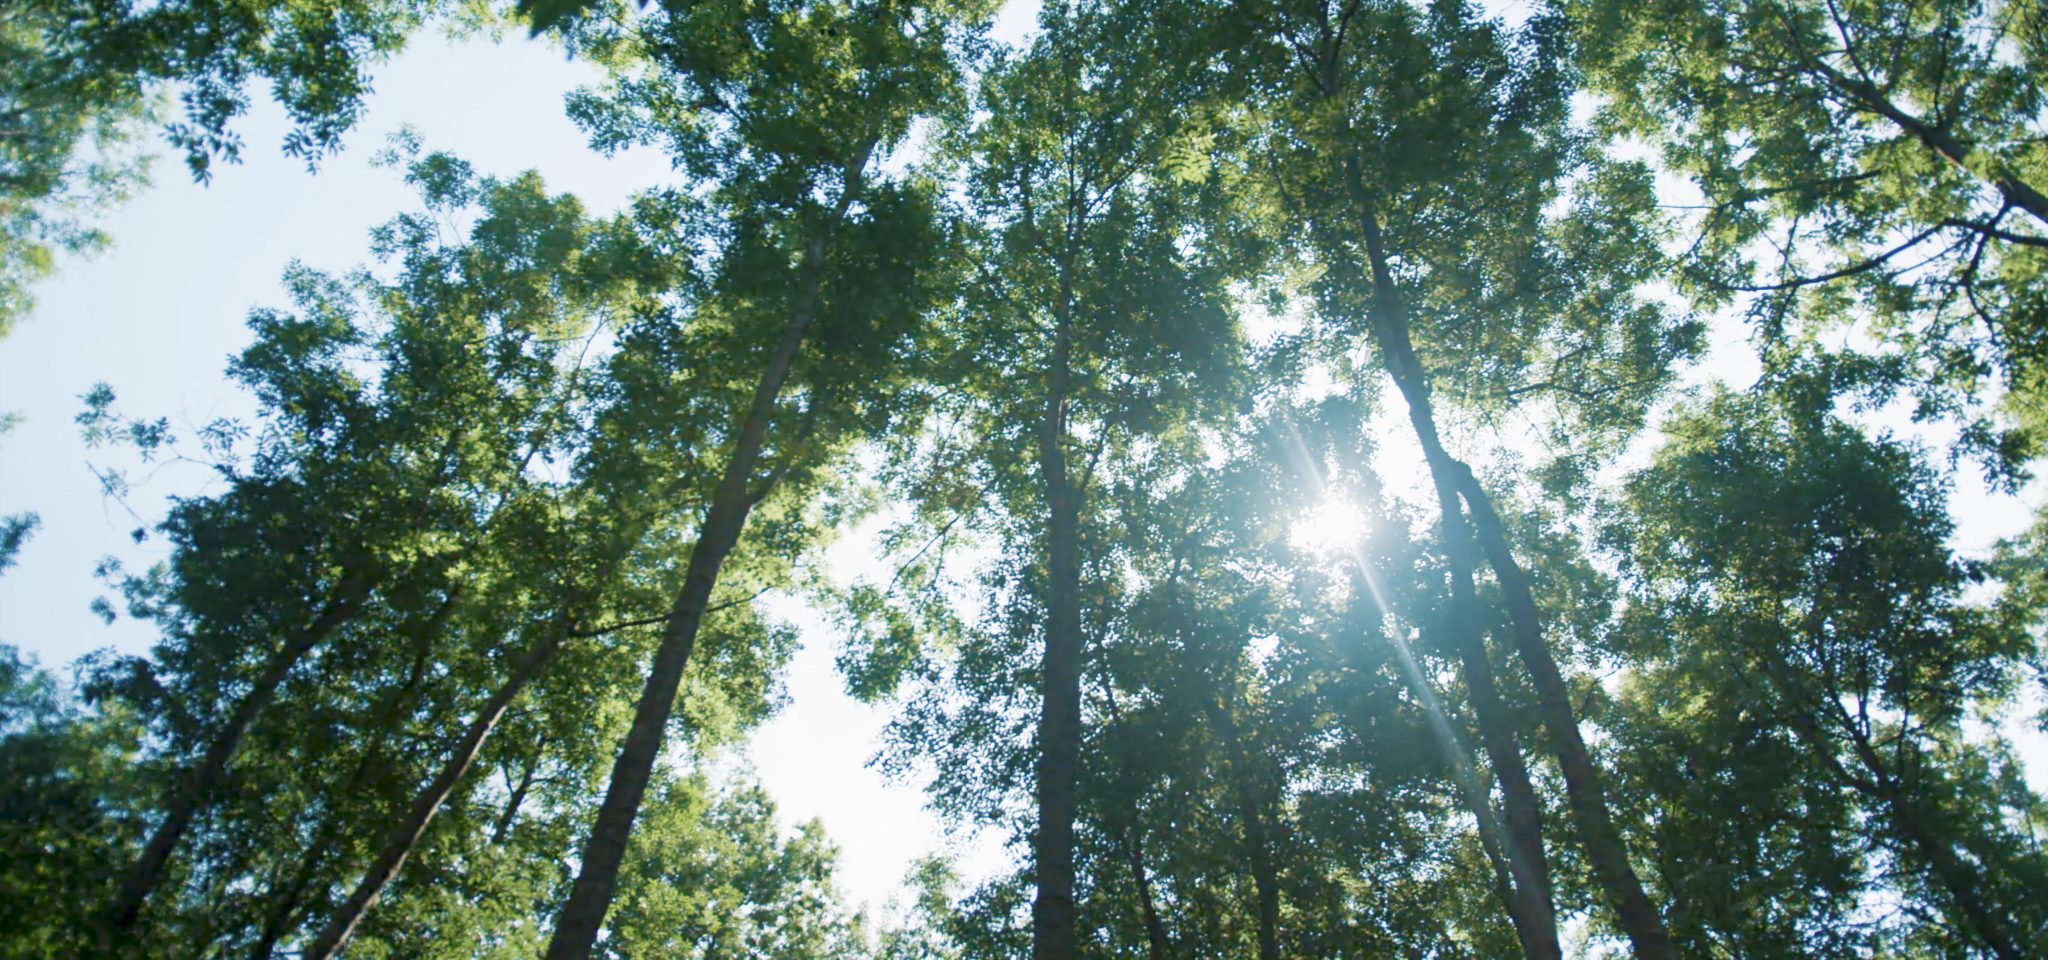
point(1861, 163)
point(1837, 602)
point(712, 876)
point(1096, 331)
point(71, 782)
point(65, 132)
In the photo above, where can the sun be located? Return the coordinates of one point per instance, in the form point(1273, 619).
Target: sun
point(1330, 528)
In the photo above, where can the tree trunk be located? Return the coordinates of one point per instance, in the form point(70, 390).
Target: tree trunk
point(1583, 789)
point(1155, 928)
point(518, 797)
point(1059, 724)
point(148, 870)
point(1527, 894)
point(589, 899)
point(382, 718)
point(1602, 840)
point(1911, 823)
point(1132, 836)
point(405, 835)
point(1258, 843)
point(279, 921)
point(1529, 903)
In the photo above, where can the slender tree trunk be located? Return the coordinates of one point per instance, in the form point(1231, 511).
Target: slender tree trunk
point(1478, 797)
point(1155, 928)
point(1258, 843)
point(1583, 788)
point(148, 870)
point(1265, 878)
point(1583, 791)
point(1131, 833)
point(279, 921)
point(406, 834)
point(1528, 902)
point(1957, 878)
point(518, 798)
point(1526, 894)
point(590, 897)
point(1059, 724)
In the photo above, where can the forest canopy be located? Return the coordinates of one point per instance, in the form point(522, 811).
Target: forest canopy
point(1308, 510)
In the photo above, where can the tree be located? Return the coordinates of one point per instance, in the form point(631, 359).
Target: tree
point(70, 777)
point(711, 876)
point(1395, 123)
point(781, 115)
point(1098, 330)
point(1833, 627)
point(353, 531)
point(1875, 164)
point(1079, 197)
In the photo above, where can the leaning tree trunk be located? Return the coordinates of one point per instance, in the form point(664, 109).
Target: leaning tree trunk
point(1059, 724)
point(1910, 821)
point(1583, 791)
point(1130, 834)
point(518, 797)
point(281, 917)
point(406, 834)
point(395, 700)
point(1525, 892)
point(148, 870)
point(591, 896)
point(1148, 909)
point(1528, 894)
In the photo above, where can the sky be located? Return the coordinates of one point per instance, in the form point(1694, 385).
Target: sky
point(158, 314)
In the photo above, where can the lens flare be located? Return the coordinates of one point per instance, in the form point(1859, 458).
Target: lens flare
point(1331, 528)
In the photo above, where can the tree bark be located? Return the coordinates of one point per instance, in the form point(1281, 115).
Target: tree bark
point(1059, 724)
point(406, 834)
point(279, 921)
point(1527, 894)
point(518, 798)
point(148, 870)
point(1131, 833)
point(590, 898)
point(382, 717)
point(1583, 787)
point(1529, 900)
point(1584, 794)
point(1155, 928)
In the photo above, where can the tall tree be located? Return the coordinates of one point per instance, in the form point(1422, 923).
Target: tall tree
point(782, 113)
point(1080, 201)
point(360, 508)
point(1833, 619)
point(1397, 121)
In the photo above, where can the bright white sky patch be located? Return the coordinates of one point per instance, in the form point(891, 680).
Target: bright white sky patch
point(1330, 528)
